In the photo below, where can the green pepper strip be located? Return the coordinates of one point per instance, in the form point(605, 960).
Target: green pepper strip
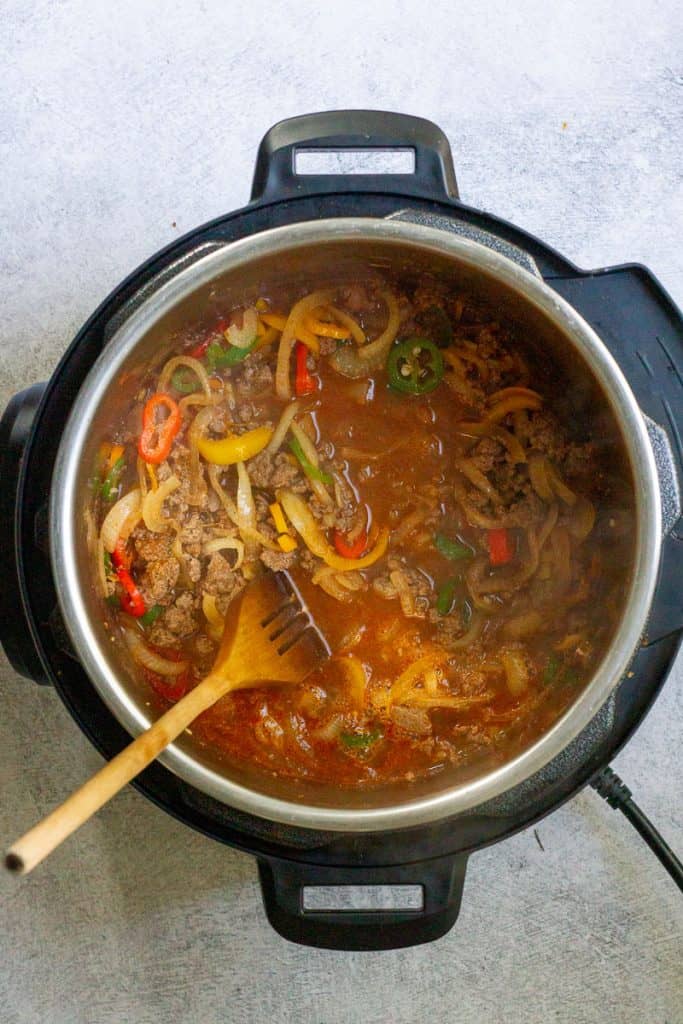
point(185, 381)
point(314, 472)
point(445, 597)
point(415, 366)
point(151, 615)
point(356, 740)
point(551, 669)
point(218, 357)
point(111, 480)
point(451, 548)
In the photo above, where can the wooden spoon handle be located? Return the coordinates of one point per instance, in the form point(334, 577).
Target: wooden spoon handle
point(44, 837)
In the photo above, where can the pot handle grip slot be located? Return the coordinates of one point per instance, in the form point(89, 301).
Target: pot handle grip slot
point(284, 886)
point(360, 132)
point(16, 427)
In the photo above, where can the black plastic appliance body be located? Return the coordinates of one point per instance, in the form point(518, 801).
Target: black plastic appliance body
point(643, 329)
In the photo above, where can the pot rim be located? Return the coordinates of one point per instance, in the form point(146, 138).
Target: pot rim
point(65, 536)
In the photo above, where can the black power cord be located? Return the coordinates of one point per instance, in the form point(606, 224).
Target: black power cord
point(610, 787)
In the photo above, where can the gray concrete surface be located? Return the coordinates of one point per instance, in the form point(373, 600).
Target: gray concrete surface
point(122, 126)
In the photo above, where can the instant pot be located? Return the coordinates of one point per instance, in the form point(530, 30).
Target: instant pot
point(613, 332)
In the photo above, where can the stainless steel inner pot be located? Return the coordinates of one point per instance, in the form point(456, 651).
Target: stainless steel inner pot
point(313, 251)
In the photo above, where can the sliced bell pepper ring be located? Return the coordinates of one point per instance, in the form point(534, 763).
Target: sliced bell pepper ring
point(304, 382)
point(501, 549)
point(157, 436)
point(228, 450)
point(314, 472)
point(353, 550)
point(415, 366)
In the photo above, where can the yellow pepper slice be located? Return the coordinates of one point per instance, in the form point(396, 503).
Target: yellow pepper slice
point(303, 521)
point(229, 450)
point(285, 540)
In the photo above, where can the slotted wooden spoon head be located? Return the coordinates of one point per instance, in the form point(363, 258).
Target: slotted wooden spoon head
point(271, 636)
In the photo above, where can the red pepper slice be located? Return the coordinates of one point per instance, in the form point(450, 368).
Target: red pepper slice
point(200, 350)
point(132, 600)
point(501, 550)
point(304, 382)
point(157, 436)
point(171, 688)
point(354, 550)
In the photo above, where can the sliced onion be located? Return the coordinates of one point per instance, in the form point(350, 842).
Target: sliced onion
point(412, 675)
point(405, 594)
point(419, 699)
point(473, 633)
point(516, 672)
point(538, 474)
point(558, 485)
point(356, 678)
point(359, 362)
point(213, 617)
point(142, 654)
point(228, 542)
point(280, 432)
point(195, 432)
point(357, 332)
point(101, 572)
point(243, 337)
point(523, 625)
point(583, 519)
point(248, 532)
point(121, 520)
point(303, 521)
point(151, 506)
point(192, 364)
point(290, 332)
point(479, 479)
point(511, 442)
point(246, 506)
point(311, 453)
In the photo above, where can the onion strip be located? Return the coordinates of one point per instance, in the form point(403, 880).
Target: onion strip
point(121, 520)
point(192, 364)
point(290, 332)
point(311, 453)
point(141, 654)
point(280, 433)
point(151, 506)
point(303, 521)
point(226, 542)
point(358, 362)
point(248, 532)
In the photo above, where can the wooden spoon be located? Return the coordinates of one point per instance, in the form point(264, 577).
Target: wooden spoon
point(270, 638)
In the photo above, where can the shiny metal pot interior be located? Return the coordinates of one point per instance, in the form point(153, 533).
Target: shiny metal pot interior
point(312, 251)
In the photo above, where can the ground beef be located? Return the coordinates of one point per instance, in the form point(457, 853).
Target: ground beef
point(256, 376)
point(525, 512)
point(272, 471)
point(327, 346)
point(486, 453)
point(356, 298)
point(193, 568)
point(414, 721)
point(192, 534)
point(419, 586)
point(176, 623)
point(220, 578)
point(151, 547)
point(543, 434)
point(158, 580)
point(278, 560)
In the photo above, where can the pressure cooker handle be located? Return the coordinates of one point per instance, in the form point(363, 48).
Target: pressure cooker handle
point(283, 884)
point(276, 176)
point(15, 631)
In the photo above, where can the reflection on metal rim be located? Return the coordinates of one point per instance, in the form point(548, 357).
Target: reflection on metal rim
point(65, 535)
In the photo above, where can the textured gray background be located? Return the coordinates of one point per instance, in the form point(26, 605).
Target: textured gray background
point(123, 125)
